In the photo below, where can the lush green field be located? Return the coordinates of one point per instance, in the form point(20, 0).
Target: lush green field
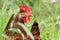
point(46, 13)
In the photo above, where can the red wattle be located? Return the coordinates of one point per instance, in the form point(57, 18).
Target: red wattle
point(26, 19)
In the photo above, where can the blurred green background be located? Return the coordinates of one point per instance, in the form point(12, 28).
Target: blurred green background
point(46, 12)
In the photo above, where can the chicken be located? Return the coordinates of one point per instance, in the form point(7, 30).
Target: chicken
point(25, 13)
point(25, 17)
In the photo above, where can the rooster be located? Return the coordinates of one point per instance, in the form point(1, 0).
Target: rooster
point(23, 18)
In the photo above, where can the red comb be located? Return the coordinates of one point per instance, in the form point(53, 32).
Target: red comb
point(26, 8)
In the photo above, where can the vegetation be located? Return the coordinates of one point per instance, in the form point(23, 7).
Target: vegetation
point(46, 13)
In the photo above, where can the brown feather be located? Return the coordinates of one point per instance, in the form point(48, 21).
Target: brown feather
point(35, 31)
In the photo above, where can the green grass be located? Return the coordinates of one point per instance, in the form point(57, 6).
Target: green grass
point(46, 13)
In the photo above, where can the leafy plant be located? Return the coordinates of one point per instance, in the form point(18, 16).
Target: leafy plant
point(45, 12)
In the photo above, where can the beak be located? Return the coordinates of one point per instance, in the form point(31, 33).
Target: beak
point(31, 14)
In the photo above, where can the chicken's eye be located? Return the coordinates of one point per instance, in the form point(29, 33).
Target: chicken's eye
point(22, 11)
